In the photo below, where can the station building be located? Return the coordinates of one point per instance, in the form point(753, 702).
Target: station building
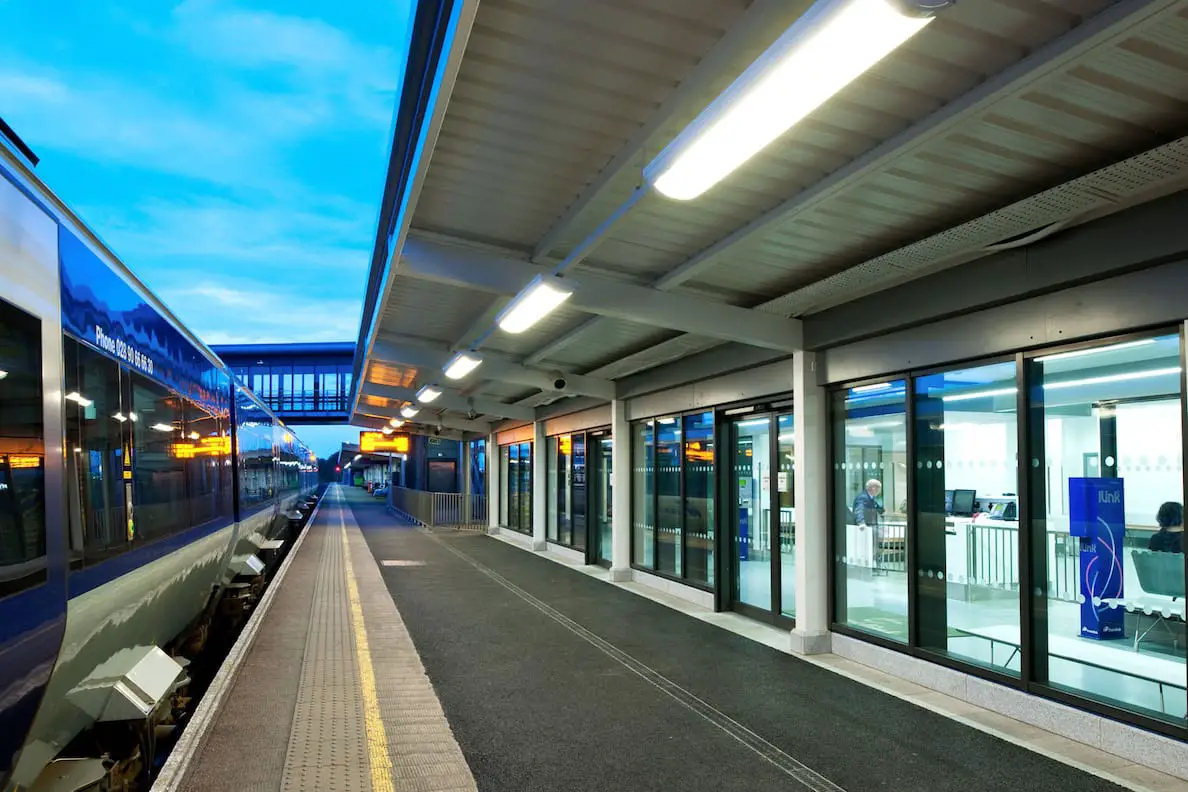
point(908, 384)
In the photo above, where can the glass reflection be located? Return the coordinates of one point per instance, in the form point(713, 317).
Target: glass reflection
point(967, 525)
point(1110, 418)
point(870, 508)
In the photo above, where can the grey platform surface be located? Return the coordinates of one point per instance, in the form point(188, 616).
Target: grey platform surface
point(299, 715)
point(553, 680)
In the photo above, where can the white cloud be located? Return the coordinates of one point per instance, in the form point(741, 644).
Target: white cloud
point(235, 311)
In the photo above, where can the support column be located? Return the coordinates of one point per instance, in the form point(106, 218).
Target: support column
point(467, 486)
point(620, 492)
point(494, 486)
point(810, 477)
point(540, 480)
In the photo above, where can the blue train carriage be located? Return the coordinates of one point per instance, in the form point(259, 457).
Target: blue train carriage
point(119, 515)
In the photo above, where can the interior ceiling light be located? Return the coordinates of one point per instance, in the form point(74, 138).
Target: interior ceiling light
point(462, 364)
point(3, 374)
point(535, 301)
point(387, 430)
point(78, 398)
point(829, 46)
point(1095, 350)
point(396, 423)
point(409, 411)
point(120, 417)
point(162, 427)
point(427, 394)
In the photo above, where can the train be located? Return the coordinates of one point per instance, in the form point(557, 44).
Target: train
point(144, 492)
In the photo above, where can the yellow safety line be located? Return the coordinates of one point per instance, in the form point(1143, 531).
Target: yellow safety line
point(377, 738)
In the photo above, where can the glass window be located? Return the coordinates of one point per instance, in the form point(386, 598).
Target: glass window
point(159, 441)
point(668, 496)
point(203, 470)
point(525, 488)
point(513, 490)
point(555, 488)
point(699, 497)
point(22, 455)
point(643, 520)
point(577, 490)
point(504, 482)
point(98, 507)
point(786, 467)
point(967, 527)
point(1107, 523)
point(870, 505)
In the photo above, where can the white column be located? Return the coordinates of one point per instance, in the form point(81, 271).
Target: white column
point(540, 480)
point(621, 492)
point(811, 635)
point(493, 485)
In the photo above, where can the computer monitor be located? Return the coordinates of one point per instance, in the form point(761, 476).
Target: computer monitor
point(963, 502)
point(948, 501)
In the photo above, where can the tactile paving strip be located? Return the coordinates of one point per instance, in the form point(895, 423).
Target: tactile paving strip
point(328, 743)
point(425, 755)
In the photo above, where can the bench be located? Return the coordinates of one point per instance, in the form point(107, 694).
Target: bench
point(1162, 672)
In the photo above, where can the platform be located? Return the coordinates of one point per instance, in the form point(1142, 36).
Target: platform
point(481, 666)
point(329, 693)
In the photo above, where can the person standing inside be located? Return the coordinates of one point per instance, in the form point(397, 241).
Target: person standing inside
point(868, 511)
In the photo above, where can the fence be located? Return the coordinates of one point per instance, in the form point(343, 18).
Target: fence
point(444, 509)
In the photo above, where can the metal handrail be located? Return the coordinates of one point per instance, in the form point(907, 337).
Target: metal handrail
point(440, 509)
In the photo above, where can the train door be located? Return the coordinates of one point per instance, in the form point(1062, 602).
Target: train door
point(32, 558)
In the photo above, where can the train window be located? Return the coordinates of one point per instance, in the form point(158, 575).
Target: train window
point(96, 455)
point(22, 453)
point(161, 442)
point(203, 466)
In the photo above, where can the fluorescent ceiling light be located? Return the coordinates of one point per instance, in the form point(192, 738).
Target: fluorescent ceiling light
point(1133, 375)
point(3, 374)
point(536, 301)
point(878, 386)
point(408, 411)
point(78, 398)
point(756, 422)
point(827, 48)
point(1095, 350)
point(358, 457)
point(427, 394)
point(396, 423)
point(120, 417)
point(462, 364)
point(161, 427)
point(986, 394)
point(387, 430)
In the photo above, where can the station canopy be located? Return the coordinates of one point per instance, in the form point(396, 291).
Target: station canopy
point(533, 136)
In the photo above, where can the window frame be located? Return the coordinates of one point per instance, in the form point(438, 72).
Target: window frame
point(1028, 678)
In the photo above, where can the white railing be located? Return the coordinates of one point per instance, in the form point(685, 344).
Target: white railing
point(440, 509)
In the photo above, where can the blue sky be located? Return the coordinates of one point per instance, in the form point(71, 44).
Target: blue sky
point(232, 152)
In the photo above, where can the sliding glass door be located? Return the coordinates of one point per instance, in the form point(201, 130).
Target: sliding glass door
point(762, 515)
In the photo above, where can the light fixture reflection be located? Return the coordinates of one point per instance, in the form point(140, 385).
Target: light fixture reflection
point(79, 399)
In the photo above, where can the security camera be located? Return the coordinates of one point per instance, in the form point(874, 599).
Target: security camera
point(471, 414)
point(559, 381)
point(437, 429)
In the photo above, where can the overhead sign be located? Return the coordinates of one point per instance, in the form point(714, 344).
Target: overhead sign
point(397, 442)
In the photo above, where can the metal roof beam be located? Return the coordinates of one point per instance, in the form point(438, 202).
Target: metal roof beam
point(425, 427)
point(476, 269)
point(428, 355)
point(758, 25)
point(451, 400)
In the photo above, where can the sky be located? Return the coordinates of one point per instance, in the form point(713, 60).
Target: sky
point(231, 152)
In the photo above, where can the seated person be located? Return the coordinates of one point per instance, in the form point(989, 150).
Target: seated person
point(1170, 537)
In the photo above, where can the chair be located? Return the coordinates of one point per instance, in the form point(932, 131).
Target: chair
point(1161, 574)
